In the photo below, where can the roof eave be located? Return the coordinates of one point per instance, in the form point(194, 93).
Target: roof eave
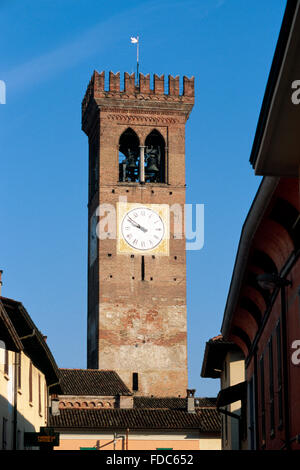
point(253, 219)
point(277, 63)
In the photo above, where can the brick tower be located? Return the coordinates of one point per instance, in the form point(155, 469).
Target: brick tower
point(137, 263)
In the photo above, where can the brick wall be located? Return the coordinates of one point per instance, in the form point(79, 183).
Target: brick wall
point(139, 325)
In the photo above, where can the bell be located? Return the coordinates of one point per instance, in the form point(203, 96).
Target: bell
point(151, 167)
point(131, 165)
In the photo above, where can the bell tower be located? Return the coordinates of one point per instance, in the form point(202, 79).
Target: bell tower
point(137, 322)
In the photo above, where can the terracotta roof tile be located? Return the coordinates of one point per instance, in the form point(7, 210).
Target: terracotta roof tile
point(92, 382)
point(172, 403)
point(206, 420)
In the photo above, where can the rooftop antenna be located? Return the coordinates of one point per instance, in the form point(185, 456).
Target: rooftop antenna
point(136, 40)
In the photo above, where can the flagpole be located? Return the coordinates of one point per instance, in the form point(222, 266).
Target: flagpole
point(136, 40)
point(137, 60)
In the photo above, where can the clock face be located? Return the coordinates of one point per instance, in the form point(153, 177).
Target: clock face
point(142, 228)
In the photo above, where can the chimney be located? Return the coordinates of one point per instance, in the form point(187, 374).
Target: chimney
point(54, 406)
point(1, 272)
point(190, 400)
point(125, 401)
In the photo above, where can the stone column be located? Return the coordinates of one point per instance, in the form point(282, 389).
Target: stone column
point(142, 164)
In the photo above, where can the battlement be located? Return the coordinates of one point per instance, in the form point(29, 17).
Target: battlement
point(97, 89)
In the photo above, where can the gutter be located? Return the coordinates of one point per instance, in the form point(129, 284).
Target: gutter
point(28, 336)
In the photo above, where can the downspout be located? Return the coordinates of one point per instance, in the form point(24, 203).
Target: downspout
point(127, 433)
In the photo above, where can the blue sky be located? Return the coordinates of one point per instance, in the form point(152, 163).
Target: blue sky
point(49, 49)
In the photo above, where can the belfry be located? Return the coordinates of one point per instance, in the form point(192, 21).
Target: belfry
point(137, 320)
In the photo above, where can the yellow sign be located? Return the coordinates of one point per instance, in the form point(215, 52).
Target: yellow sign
point(49, 439)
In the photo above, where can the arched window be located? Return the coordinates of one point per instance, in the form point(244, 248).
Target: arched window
point(155, 158)
point(129, 156)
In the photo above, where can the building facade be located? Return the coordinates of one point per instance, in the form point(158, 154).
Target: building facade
point(28, 376)
point(262, 310)
point(225, 360)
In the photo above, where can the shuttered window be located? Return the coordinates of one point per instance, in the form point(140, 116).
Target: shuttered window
point(30, 382)
point(271, 389)
point(279, 376)
point(262, 399)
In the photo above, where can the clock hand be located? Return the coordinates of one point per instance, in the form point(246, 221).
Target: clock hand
point(137, 225)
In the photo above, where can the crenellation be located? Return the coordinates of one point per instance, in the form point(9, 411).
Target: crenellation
point(173, 85)
point(143, 92)
point(99, 81)
point(159, 84)
point(97, 84)
point(145, 83)
point(129, 83)
point(189, 86)
point(114, 81)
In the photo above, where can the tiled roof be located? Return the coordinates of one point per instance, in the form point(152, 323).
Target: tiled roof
point(206, 420)
point(172, 403)
point(215, 351)
point(92, 382)
point(32, 340)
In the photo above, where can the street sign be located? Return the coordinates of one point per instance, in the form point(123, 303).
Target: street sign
point(45, 438)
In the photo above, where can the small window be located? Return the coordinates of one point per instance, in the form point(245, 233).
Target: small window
point(262, 400)
point(135, 381)
point(46, 401)
point(6, 362)
point(30, 382)
point(19, 370)
point(40, 397)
